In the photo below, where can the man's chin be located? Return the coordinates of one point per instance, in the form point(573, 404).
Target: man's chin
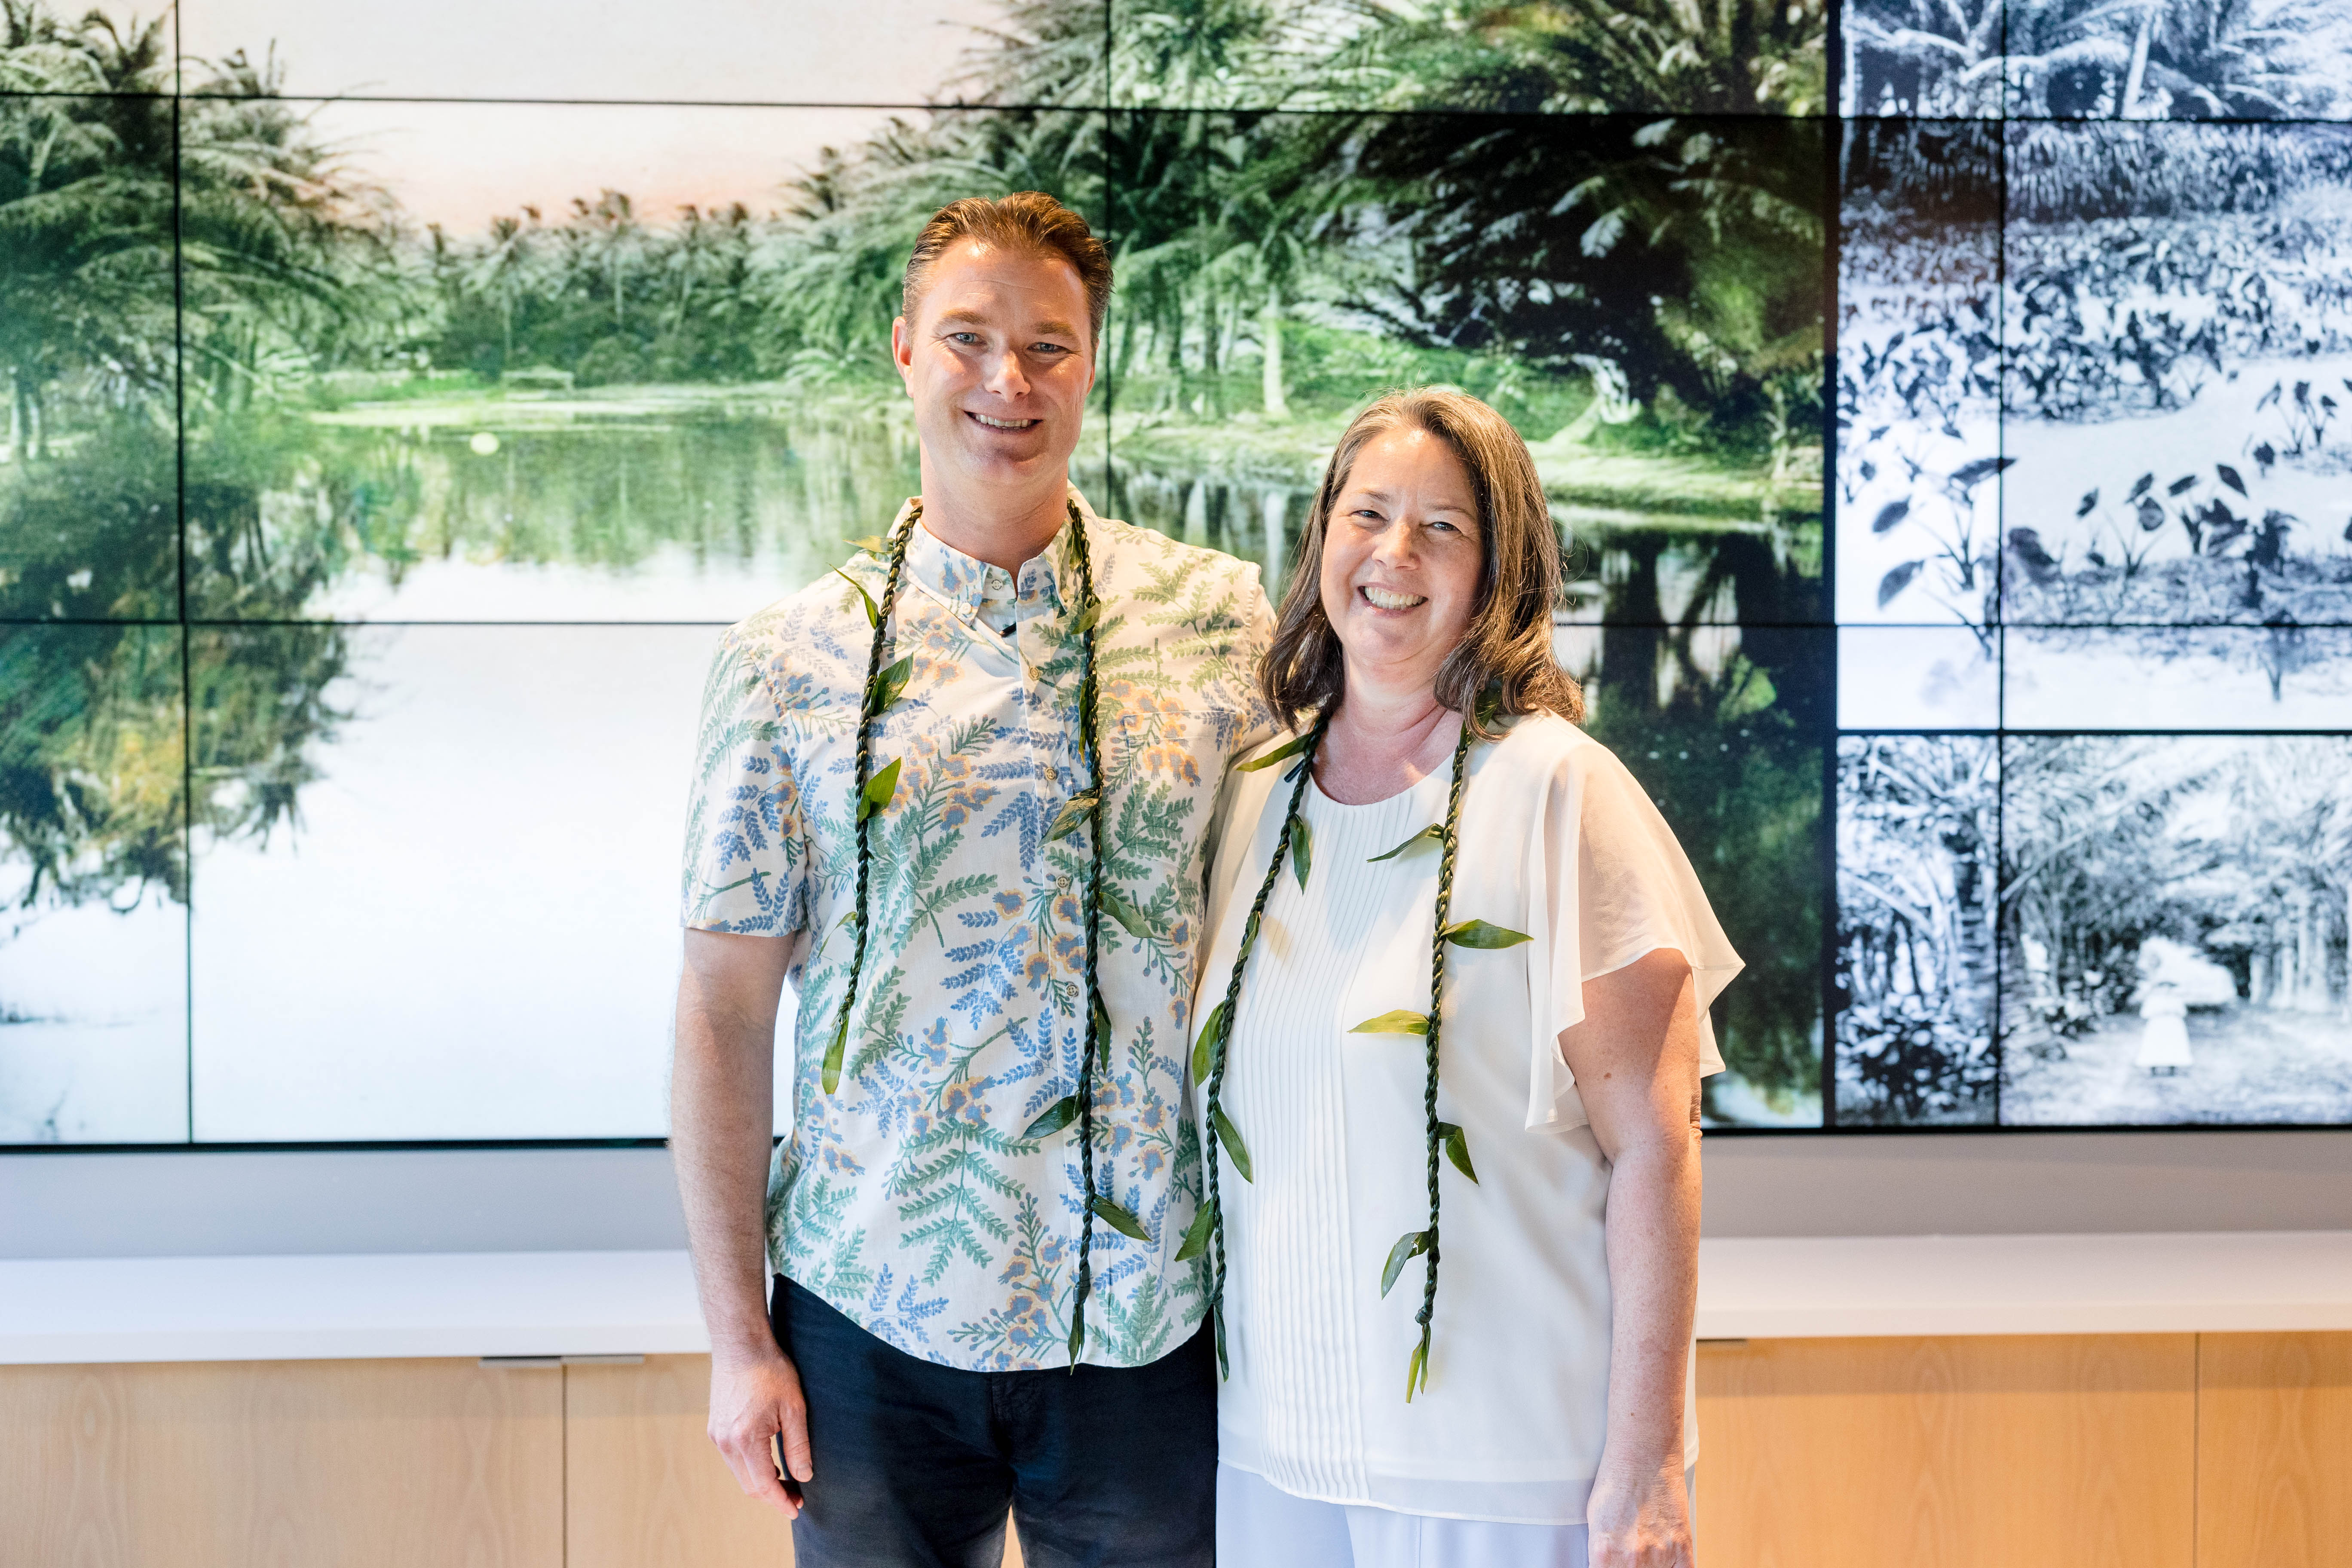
point(1005, 463)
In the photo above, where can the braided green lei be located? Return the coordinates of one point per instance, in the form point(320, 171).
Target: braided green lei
point(1208, 1052)
point(1083, 809)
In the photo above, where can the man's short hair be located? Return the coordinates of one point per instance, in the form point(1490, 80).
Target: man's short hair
point(1027, 221)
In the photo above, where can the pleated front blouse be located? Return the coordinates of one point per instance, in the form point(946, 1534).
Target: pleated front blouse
point(1558, 841)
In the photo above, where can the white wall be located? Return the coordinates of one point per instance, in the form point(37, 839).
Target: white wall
point(67, 1204)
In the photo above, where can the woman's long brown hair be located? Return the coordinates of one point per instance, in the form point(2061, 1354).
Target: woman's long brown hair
point(1507, 643)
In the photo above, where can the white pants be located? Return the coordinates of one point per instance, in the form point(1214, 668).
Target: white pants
point(1259, 1525)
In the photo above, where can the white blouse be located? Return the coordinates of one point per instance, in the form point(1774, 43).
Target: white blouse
point(1558, 841)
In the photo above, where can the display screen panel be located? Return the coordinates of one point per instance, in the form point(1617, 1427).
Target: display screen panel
point(1943, 410)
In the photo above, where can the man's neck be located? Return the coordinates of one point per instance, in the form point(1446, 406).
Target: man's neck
point(999, 527)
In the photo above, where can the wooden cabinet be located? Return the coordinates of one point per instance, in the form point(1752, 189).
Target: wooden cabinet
point(643, 1487)
point(1949, 1453)
point(2274, 1451)
point(2074, 1451)
point(359, 1464)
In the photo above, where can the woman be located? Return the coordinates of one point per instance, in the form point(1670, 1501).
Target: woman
point(1454, 1250)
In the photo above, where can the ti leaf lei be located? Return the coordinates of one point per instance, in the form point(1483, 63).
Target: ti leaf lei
point(1210, 1049)
point(872, 797)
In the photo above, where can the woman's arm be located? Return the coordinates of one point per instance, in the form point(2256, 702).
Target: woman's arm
point(1636, 1058)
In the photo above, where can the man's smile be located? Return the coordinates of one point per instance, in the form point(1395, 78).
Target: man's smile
point(1002, 423)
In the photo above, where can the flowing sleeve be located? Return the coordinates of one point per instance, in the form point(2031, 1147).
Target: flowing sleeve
point(746, 864)
point(1609, 884)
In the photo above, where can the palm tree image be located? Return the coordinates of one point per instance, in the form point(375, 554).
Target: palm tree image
point(2149, 59)
point(372, 450)
point(2213, 870)
point(1918, 973)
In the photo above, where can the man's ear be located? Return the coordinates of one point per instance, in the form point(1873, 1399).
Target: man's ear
point(902, 347)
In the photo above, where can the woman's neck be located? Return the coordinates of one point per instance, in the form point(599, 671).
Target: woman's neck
point(1382, 743)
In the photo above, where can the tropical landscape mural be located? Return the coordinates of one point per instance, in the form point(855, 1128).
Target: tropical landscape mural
point(390, 431)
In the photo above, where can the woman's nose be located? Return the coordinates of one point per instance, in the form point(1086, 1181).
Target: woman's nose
point(1394, 544)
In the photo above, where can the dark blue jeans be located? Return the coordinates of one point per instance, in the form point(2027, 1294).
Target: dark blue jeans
point(916, 1463)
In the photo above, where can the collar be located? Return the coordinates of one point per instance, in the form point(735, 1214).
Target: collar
point(1042, 584)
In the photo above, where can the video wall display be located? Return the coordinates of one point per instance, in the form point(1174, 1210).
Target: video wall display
point(1945, 422)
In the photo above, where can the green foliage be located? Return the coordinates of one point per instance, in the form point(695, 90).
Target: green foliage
point(1398, 1021)
point(1734, 760)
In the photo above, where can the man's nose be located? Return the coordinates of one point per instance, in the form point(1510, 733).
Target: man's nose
point(1002, 375)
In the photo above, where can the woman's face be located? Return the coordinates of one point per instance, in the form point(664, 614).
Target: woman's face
point(1401, 560)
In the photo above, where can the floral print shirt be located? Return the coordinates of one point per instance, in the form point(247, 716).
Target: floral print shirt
point(910, 1198)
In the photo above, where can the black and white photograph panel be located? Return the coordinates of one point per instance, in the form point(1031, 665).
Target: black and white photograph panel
point(1918, 677)
point(443, 902)
point(2278, 677)
point(2177, 338)
point(910, 52)
point(1917, 485)
point(1726, 727)
point(1557, 56)
point(2178, 59)
point(1918, 842)
point(2173, 929)
point(1921, 58)
point(567, 361)
point(93, 886)
point(88, 472)
point(1643, 299)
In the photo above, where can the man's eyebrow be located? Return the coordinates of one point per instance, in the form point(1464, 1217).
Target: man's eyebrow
point(1053, 326)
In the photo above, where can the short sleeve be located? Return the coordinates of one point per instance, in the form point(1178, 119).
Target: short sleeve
point(1612, 885)
point(746, 862)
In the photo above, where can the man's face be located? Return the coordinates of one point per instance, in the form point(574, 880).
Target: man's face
point(999, 361)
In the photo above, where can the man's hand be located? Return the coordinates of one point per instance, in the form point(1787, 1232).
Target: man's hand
point(1641, 1522)
point(753, 1400)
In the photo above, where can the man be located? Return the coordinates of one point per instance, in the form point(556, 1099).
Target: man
point(930, 1217)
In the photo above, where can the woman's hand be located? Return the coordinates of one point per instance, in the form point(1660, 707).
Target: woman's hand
point(1641, 1521)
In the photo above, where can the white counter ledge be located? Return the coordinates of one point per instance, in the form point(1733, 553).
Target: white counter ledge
point(620, 1304)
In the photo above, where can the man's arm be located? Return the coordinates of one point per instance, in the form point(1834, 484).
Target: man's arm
point(1635, 1057)
point(722, 1117)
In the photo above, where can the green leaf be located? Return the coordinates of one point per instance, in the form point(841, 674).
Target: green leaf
point(1204, 1049)
point(1118, 1219)
point(1397, 1023)
point(1134, 921)
point(1289, 748)
point(873, 610)
point(1416, 1371)
point(836, 1052)
point(1217, 1318)
point(1087, 618)
point(1457, 1149)
point(888, 685)
point(1072, 815)
point(1230, 1137)
point(1433, 834)
point(1058, 1115)
point(1077, 1337)
point(1302, 851)
point(873, 545)
point(1196, 1237)
point(1102, 1022)
point(878, 791)
point(1410, 1246)
point(1478, 933)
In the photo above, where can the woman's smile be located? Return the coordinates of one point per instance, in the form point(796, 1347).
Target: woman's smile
point(1390, 599)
